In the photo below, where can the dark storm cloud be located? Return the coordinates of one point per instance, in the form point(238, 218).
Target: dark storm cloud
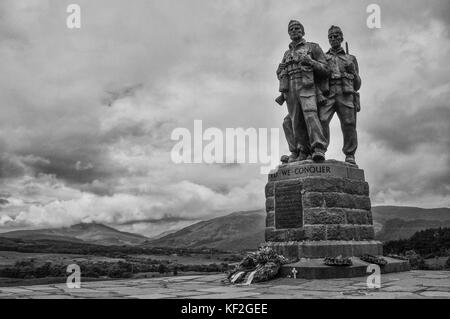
point(16, 165)
point(156, 133)
point(113, 95)
point(85, 162)
point(97, 187)
point(65, 168)
point(440, 183)
point(10, 167)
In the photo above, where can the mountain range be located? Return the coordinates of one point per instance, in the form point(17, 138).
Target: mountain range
point(92, 233)
point(245, 230)
point(237, 231)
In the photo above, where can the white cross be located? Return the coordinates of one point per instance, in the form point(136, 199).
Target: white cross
point(294, 272)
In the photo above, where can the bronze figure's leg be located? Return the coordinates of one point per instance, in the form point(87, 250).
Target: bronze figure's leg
point(289, 134)
point(301, 140)
point(314, 127)
point(326, 113)
point(347, 117)
point(304, 144)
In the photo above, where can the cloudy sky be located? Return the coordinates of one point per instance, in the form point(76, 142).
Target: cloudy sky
point(86, 115)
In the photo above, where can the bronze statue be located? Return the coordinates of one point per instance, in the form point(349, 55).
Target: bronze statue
point(343, 98)
point(302, 74)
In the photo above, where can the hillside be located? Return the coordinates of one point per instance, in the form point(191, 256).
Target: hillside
point(234, 232)
point(90, 233)
point(383, 213)
point(395, 229)
point(245, 230)
point(237, 231)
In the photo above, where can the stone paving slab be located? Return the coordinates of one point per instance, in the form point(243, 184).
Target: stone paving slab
point(407, 285)
point(436, 294)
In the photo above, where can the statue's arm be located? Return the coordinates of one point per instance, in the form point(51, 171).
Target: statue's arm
point(357, 80)
point(281, 66)
point(319, 62)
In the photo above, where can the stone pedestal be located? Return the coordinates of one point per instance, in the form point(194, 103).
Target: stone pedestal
point(318, 210)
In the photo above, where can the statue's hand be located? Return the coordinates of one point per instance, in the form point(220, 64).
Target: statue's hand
point(307, 60)
point(295, 57)
point(350, 68)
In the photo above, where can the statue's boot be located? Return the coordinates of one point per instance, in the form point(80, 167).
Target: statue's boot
point(302, 157)
point(318, 156)
point(284, 159)
point(350, 159)
point(293, 157)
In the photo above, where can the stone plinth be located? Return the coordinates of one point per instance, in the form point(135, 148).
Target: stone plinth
point(318, 210)
point(315, 269)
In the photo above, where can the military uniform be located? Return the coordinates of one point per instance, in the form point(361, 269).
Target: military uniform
point(342, 98)
point(302, 126)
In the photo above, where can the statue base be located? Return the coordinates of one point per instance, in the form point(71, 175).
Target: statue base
point(326, 248)
point(316, 269)
point(318, 210)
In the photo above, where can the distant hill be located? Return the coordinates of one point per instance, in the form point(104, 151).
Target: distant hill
point(395, 229)
point(234, 232)
point(168, 232)
point(401, 222)
point(245, 230)
point(237, 231)
point(86, 232)
point(382, 213)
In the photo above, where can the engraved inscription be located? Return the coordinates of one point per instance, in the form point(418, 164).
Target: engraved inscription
point(288, 204)
point(306, 170)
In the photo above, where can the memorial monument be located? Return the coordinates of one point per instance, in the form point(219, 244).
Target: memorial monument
point(319, 208)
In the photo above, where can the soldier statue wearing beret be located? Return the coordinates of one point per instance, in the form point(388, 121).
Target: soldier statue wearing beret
point(299, 72)
point(343, 97)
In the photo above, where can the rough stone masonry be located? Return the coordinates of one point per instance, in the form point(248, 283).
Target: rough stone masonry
point(319, 210)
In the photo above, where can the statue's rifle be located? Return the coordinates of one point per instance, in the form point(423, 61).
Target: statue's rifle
point(357, 97)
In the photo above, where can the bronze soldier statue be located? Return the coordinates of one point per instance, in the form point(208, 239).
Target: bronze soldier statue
point(299, 72)
point(343, 97)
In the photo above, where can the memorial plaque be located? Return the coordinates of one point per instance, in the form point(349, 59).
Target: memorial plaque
point(288, 204)
point(299, 170)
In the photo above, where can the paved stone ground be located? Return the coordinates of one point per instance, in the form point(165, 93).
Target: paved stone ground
point(413, 284)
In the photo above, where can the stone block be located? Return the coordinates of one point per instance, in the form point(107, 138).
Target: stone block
point(270, 189)
point(355, 173)
point(329, 200)
point(296, 234)
point(270, 219)
point(313, 216)
point(274, 235)
point(341, 232)
point(358, 216)
point(314, 268)
point(370, 218)
point(326, 248)
point(315, 232)
point(365, 233)
point(270, 204)
point(350, 232)
point(284, 235)
point(335, 184)
point(368, 247)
